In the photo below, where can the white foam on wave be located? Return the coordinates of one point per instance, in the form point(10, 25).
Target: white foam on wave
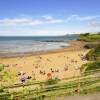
point(30, 46)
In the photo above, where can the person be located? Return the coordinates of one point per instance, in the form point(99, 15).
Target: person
point(23, 79)
point(56, 70)
point(6, 65)
point(42, 72)
point(19, 73)
point(66, 68)
point(76, 61)
point(48, 60)
point(55, 77)
point(29, 77)
point(52, 70)
point(36, 66)
point(33, 74)
point(77, 67)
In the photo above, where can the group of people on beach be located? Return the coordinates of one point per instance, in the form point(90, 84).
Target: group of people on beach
point(53, 72)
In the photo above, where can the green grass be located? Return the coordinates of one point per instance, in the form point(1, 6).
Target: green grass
point(91, 66)
point(94, 52)
point(97, 89)
point(94, 36)
point(94, 56)
point(1, 67)
point(5, 76)
point(58, 89)
point(90, 37)
point(51, 81)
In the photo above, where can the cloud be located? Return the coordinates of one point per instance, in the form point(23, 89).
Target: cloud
point(48, 17)
point(26, 25)
point(23, 20)
point(14, 21)
point(94, 23)
point(81, 18)
point(30, 21)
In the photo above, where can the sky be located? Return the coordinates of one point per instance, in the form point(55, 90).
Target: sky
point(48, 17)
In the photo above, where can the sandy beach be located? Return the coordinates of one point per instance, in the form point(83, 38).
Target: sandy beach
point(62, 63)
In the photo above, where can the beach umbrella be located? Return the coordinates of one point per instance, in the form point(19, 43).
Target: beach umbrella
point(1, 67)
point(49, 75)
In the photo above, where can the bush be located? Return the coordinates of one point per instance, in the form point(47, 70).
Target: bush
point(51, 81)
point(90, 37)
point(94, 54)
point(92, 45)
point(93, 66)
point(1, 67)
point(1, 89)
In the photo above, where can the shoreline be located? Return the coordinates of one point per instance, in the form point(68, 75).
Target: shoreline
point(74, 45)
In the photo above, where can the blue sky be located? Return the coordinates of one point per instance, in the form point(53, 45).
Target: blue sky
point(49, 17)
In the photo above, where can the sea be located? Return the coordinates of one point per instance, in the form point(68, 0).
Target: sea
point(25, 44)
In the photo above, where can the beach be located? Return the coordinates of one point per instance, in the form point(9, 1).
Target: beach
point(50, 50)
point(61, 63)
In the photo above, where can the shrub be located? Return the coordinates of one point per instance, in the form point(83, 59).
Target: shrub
point(93, 66)
point(1, 67)
point(94, 54)
point(1, 89)
point(51, 81)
